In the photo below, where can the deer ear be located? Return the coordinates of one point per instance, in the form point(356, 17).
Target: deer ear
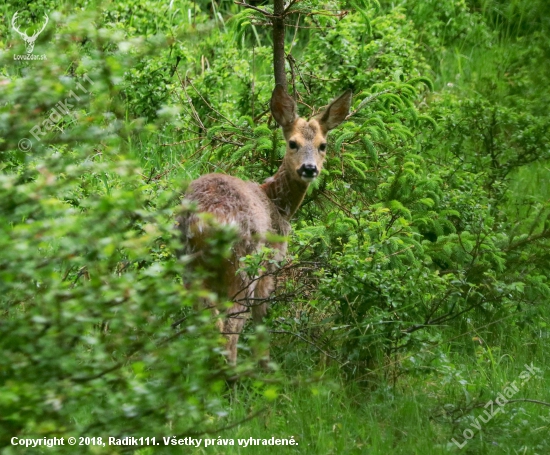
point(283, 107)
point(335, 113)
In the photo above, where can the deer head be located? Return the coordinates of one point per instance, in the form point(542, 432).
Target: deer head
point(306, 139)
point(29, 40)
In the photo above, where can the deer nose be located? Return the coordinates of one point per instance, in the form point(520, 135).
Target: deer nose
point(308, 171)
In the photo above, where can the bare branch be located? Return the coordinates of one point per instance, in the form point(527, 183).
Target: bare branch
point(263, 11)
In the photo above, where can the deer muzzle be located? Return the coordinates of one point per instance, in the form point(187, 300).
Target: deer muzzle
point(308, 172)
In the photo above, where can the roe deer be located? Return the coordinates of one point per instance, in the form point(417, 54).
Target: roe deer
point(256, 211)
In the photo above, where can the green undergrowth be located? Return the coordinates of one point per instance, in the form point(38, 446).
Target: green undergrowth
point(415, 289)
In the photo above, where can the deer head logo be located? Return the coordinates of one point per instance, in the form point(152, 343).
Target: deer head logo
point(29, 40)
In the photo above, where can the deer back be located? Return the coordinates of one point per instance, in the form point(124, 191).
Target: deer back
point(232, 202)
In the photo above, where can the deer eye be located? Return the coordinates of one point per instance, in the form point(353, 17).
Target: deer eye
point(292, 145)
point(323, 147)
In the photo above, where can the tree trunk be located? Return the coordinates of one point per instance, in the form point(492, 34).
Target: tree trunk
point(279, 43)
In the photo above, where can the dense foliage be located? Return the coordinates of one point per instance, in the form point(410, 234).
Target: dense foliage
point(420, 256)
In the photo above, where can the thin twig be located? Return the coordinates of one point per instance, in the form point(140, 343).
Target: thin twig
point(263, 11)
point(290, 59)
point(252, 82)
point(178, 322)
point(297, 335)
point(448, 340)
point(209, 105)
point(269, 24)
point(290, 5)
point(527, 400)
point(193, 110)
point(183, 142)
point(225, 141)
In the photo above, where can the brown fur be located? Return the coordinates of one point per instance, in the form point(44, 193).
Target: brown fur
point(256, 211)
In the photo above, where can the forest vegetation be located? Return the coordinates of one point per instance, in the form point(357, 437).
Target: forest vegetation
point(415, 290)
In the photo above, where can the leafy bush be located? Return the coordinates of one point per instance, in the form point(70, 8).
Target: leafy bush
point(97, 330)
point(430, 220)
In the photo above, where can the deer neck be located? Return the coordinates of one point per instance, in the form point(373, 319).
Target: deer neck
point(285, 192)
